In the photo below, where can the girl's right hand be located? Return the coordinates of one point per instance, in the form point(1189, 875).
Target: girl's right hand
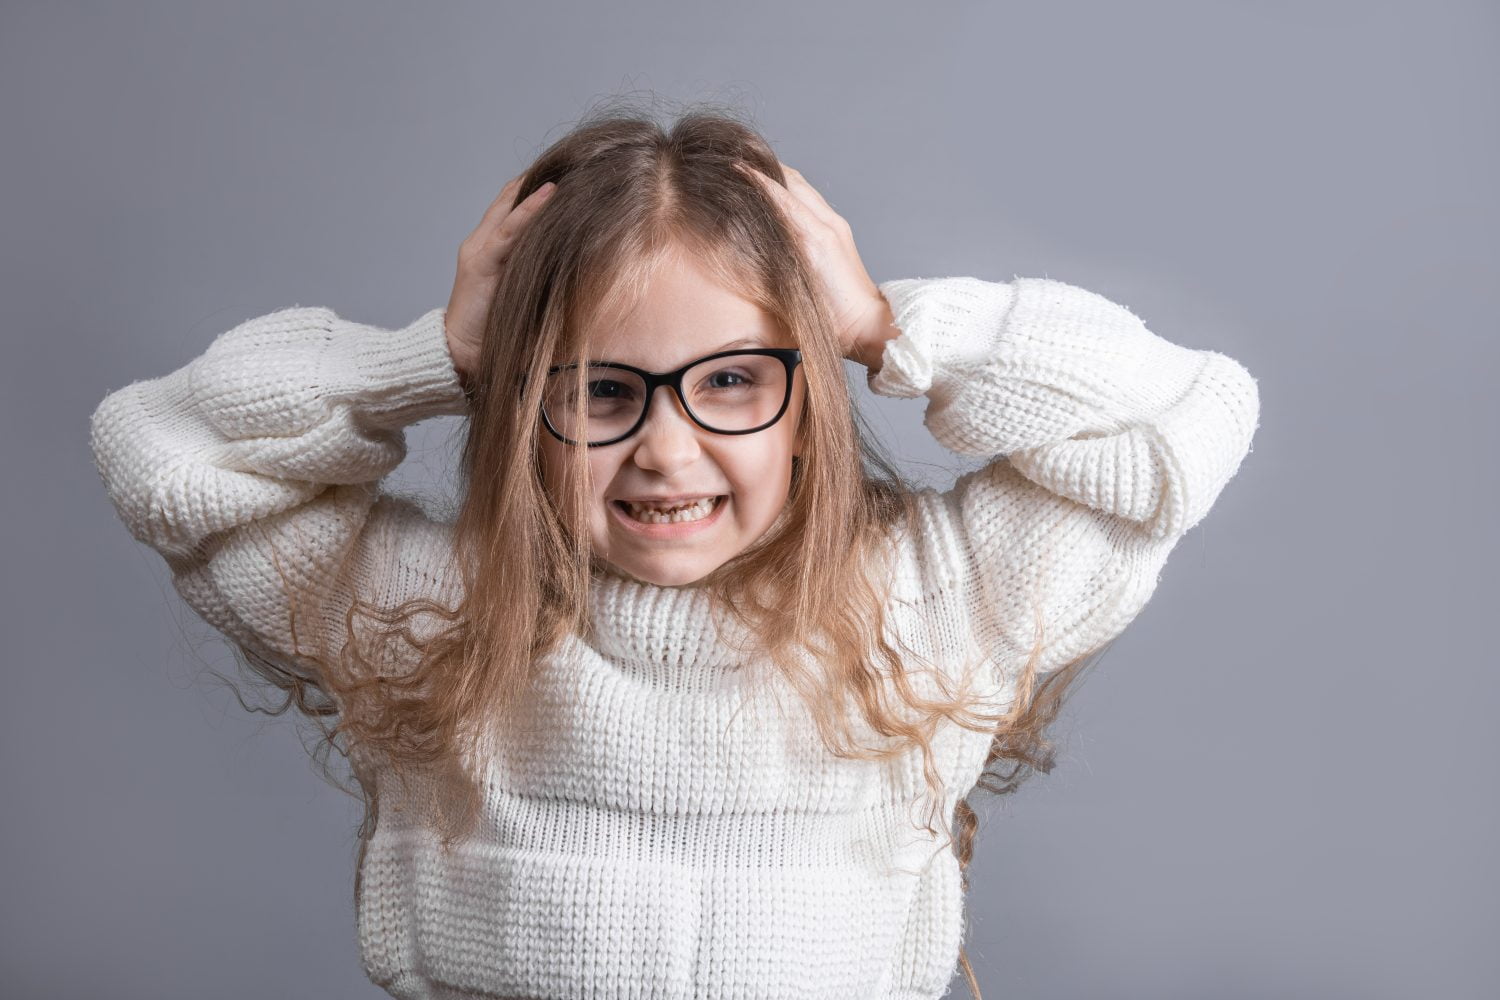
point(481, 260)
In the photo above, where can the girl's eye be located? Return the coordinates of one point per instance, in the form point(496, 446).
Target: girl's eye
point(607, 389)
point(728, 380)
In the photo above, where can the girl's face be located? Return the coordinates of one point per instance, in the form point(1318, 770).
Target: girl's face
point(684, 315)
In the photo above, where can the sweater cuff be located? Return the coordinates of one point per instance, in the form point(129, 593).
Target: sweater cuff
point(406, 375)
point(947, 325)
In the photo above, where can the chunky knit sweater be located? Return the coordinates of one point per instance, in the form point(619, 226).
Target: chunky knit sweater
point(656, 834)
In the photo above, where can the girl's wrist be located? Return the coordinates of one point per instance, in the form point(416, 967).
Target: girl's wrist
point(455, 356)
point(869, 349)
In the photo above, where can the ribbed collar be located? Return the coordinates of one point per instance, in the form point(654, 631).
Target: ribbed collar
point(668, 632)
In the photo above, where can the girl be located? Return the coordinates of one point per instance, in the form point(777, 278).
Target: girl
point(602, 720)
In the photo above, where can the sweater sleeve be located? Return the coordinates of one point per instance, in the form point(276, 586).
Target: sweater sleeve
point(262, 457)
point(1104, 444)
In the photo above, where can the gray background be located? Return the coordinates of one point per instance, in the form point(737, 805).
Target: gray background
point(1278, 783)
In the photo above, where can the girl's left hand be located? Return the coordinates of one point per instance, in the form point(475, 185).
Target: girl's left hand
point(861, 314)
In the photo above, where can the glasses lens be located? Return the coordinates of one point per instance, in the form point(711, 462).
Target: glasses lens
point(737, 392)
point(602, 405)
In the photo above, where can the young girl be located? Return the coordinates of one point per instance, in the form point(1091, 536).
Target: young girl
point(687, 699)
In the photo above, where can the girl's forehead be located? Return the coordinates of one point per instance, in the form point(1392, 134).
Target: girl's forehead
point(678, 309)
point(647, 343)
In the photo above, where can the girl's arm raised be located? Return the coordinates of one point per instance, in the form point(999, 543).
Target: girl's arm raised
point(1107, 444)
point(262, 457)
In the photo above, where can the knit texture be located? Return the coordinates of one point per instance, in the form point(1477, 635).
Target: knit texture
point(660, 832)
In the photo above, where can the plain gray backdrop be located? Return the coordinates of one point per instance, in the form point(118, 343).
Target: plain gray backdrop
point(1280, 780)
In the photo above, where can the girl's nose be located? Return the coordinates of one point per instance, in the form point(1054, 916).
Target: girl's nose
point(668, 439)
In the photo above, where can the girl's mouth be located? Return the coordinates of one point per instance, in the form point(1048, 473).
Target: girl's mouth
point(687, 520)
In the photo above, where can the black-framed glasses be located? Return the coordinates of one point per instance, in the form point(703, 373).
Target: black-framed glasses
point(731, 392)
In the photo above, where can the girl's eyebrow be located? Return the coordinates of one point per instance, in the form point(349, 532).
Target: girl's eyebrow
point(755, 341)
point(737, 343)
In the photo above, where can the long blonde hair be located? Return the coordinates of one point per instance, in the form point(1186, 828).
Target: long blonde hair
point(630, 190)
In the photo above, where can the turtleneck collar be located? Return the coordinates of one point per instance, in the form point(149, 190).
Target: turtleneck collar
point(663, 629)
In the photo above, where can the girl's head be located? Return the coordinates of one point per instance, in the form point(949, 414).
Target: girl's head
point(654, 251)
point(683, 314)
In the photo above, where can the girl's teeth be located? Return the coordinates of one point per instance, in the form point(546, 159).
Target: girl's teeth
point(695, 511)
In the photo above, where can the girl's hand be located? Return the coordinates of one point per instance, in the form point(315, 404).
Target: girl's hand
point(481, 260)
point(861, 313)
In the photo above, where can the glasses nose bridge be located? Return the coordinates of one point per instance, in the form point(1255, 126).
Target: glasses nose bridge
point(667, 381)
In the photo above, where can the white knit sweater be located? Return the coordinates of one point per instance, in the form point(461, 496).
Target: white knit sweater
point(656, 834)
